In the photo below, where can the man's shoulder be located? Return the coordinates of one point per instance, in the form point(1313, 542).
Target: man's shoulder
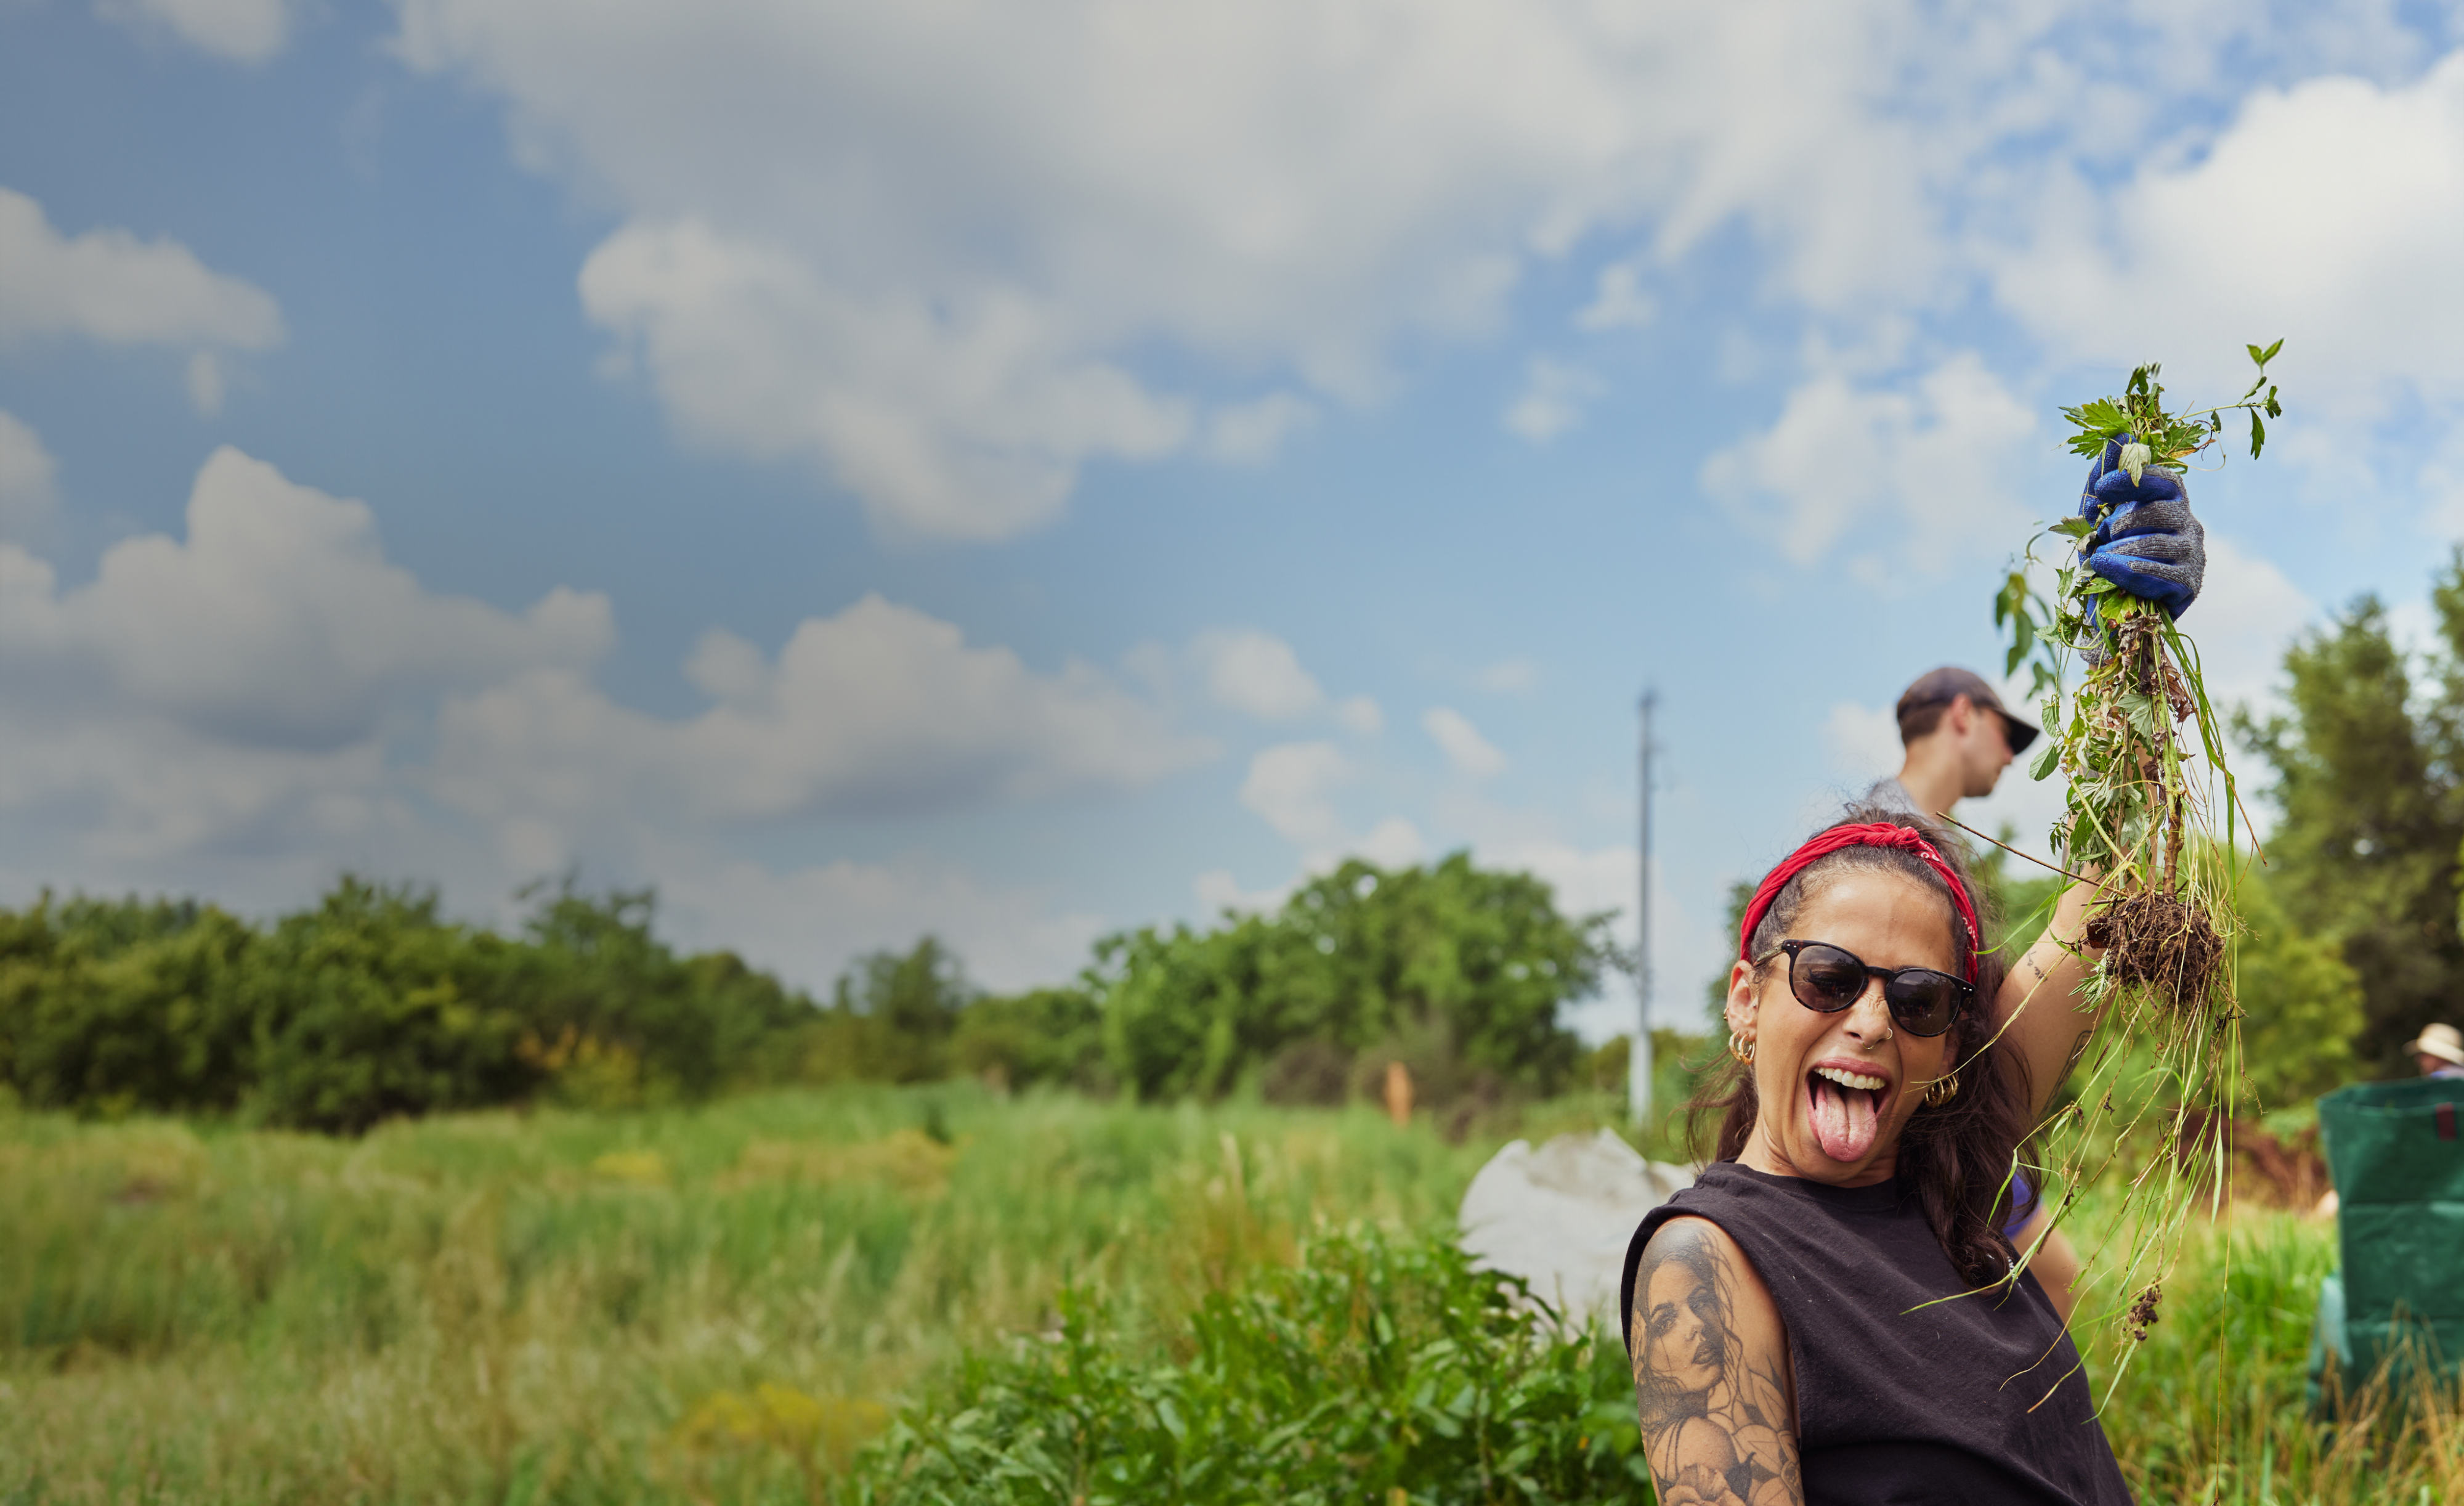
point(1889, 793)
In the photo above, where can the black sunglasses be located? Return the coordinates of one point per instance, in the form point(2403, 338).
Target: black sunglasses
point(1828, 979)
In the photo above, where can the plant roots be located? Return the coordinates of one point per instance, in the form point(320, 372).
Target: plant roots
point(2157, 940)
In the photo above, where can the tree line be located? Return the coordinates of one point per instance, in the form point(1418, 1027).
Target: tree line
point(374, 1005)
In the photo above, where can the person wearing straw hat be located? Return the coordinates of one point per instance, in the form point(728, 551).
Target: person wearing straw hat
point(2438, 1051)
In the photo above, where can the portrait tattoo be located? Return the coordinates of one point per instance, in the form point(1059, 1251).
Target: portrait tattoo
point(1715, 1422)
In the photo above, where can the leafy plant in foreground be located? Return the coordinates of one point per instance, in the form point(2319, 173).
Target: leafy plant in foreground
point(2139, 817)
point(1377, 1369)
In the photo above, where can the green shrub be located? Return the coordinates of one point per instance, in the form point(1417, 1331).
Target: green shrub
point(1376, 1369)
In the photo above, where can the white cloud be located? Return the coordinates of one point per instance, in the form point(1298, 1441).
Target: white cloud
point(2328, 213)
point(878, 711)
point(1509, 677)
point(932, 246)
point(1553, 400)
point(1392, 843)
point(2247, 611)
point(1865, 741)
point(108, 285)
point(1361, 716)
point(237, 31)
point(1470, 753)
point(1219, 890)
point(1292, 785)
point(1619, 302)
point(29, 479)
point(1254, 432)
point(1256, 672)
point(249, 708)
point(276, 623)
point(962, 417)
point(205, 383)
point(809, 923)
point(1928, 462)
point(233, 693)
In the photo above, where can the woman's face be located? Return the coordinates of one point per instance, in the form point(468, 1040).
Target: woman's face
point(1681, 1335)
point(1835, 1089)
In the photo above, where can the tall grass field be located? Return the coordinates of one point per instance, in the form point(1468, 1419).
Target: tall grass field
point(931, 1295)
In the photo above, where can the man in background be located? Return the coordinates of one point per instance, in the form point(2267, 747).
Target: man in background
point(1958, 738)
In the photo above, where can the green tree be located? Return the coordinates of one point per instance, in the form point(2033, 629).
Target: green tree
point(1479, 957)
point(2371, 820)
point(114, 1006)
point(1053, 1036)
point(371, 1007)
point(891, 1017)
point(2301, 1004)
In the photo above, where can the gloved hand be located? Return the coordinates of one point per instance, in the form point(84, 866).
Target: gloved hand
point(2146, 540)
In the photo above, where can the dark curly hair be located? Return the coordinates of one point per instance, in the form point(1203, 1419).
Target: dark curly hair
point(1958, 1154)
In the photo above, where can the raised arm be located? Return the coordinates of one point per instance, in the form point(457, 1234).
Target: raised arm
point(1711, 1376)
point(2043, 1026)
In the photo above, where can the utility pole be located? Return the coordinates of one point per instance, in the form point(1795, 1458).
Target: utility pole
point(1638, 1061)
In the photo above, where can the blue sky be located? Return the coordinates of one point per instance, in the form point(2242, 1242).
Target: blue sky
point(1019, 472)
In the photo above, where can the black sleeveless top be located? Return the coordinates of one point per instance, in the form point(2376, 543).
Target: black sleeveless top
point(1895, 1403)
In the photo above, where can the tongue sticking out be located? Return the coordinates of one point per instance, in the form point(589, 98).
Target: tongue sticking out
point(1844, 1120)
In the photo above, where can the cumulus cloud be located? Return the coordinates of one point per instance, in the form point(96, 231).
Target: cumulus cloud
point(2243, 619)
point(276, 623)
point(205, 378)
point(1361, 716)
point(1927, 459)
point(2326, 213)
point(931, 247)
point(1554, 397)
point(1509, 677)
point(958, 418)
point(1256, 672)
point(878, 711)
point(266, 699)
point(1292, 785)
point(233, 692)
point(29, 477)
point(108, 285)
point(808, 923)
point(1470, 753)
point(1863, 741)
point(237, 31)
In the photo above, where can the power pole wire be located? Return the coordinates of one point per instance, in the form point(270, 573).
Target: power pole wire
point(1638, 1059)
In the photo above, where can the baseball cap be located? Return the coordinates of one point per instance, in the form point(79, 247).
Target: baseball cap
point(1949, 683)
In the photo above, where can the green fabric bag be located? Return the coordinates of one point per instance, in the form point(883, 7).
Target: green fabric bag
point(2396, 1150)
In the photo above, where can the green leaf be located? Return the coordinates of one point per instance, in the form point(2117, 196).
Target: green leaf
point(2255, 355)
point(2257, 434)
point(2042, 767)
point(2097, 586)
point(2269, 354)
point(2073, 529)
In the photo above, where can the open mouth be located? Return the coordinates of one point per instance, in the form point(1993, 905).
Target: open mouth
point(1846, 1108)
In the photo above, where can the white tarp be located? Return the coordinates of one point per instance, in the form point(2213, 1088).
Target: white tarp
point(1560, 1216)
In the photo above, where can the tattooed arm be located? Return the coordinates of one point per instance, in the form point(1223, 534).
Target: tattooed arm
point(1711, 1376)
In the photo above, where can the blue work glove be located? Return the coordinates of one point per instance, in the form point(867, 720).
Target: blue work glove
point(2146, 540)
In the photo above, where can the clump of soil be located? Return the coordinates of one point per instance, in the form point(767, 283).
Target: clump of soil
point(2156, 940)
point(2143, 1314)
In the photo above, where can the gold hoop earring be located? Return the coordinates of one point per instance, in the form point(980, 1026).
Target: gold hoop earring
point(1941, 1090)
point(1741, 1048)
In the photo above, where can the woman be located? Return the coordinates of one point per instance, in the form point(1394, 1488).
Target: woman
point(1783, 1314)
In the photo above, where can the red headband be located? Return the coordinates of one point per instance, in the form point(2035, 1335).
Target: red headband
point(1875, 833)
